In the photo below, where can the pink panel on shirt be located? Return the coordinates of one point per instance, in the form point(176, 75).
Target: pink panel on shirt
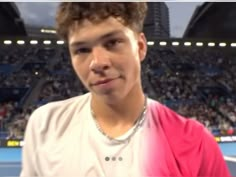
point(177, 146)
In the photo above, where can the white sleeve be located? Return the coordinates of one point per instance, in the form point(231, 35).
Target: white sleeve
point(30, 147)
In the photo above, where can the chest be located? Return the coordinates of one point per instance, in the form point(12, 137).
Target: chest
point(87, 155)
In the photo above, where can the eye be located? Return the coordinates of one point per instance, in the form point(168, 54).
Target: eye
point(113, 43)
point(80, 51)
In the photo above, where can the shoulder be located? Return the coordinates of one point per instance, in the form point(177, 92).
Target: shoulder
point(65, 104)
point(173, 124)
point(167, 116)
point(193, 146)
point(58, 112)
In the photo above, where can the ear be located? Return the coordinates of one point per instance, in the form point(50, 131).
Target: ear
point(142, 46)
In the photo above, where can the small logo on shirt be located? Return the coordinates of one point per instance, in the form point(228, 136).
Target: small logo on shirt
point(113, 158)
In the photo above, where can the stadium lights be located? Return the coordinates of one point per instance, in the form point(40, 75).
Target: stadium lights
point(233, 44)
point(222, 44)
point(48, 31)
point(211, 44)
point(33, 42)
point(47, 42)
point(60, 42)
point(20, 42)
point(175, 43)
point(199, 44)
point(150, 43)
point(163, 43)
point(187, 44)
point(7, 42)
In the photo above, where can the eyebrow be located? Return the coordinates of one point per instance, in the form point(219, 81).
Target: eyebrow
point(107, 35)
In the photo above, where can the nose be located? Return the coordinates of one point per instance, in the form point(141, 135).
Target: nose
point(100, 60)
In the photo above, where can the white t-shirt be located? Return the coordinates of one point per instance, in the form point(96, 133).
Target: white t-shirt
point(62, 140)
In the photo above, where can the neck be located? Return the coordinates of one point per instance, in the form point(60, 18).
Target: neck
point(118, 112)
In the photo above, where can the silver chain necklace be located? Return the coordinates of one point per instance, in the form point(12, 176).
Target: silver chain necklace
point(138, 123)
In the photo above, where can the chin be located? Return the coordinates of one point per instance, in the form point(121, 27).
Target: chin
point(110, 96)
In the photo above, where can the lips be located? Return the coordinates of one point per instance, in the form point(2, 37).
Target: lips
point(102, 81)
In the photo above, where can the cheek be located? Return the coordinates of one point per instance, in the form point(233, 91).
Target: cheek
point(80, 71)
point(132, 62)
point(75, 67)
point(132, 69)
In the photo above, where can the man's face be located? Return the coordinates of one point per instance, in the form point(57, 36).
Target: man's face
point(106, 57)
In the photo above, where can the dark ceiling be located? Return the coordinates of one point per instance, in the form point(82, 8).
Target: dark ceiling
point(213, 20)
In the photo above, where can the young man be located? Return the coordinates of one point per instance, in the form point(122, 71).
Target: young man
point(114, 130)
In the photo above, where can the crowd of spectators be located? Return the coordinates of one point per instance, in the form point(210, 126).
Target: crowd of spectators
point(180, 76)
point(13, 119)
point(18, 79)
point(61, 82)
point(19, 69)
point(173, 76)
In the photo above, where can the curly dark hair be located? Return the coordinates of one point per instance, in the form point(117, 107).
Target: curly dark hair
point(132, 14)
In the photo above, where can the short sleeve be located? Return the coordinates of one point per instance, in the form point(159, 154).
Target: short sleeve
point(213, 163)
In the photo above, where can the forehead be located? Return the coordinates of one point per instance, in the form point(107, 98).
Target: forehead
point(88, 30)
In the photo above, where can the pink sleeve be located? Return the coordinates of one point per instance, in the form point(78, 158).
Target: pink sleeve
point(188, 148)
point(213, 163)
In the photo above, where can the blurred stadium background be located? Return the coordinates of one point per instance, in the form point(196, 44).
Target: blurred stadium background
point(194, 74)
